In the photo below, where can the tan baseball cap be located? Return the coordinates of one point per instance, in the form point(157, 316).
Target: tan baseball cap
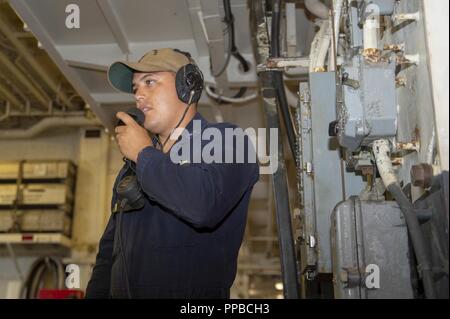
point(120, 73)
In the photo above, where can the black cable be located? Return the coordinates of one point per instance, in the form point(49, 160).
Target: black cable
point(277, 78)
point(229, 19)
point(288, 258)
point(179, 122)
point(230, 41)
point(239, 94)
point(412, 222)
point(34, 280)
point(245, 68)
point(275, 30)
point(242, 61)
point(122, 252)
point(232, 51)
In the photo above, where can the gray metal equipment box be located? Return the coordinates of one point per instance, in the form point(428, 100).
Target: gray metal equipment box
point(370, 238)
point(369, 108)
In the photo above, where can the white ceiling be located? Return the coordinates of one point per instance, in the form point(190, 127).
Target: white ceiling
point(112, 30)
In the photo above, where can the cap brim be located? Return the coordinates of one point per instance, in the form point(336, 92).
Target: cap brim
point(120, 74)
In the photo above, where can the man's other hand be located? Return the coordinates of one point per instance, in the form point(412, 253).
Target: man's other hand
point(131, 137)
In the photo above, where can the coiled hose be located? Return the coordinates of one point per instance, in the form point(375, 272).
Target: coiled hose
point(34, 280)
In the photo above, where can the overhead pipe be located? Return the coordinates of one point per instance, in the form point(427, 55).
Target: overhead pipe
point(334, 30)
point(292, 98)
point(33, 80)
point(318, 8)
point(7, 111)
point(296, 72)
point(4, 60)
point(320, 46)
point(324, 45)
point(322, 40)
point(315, 46)
point(10, 97)
point(371, 29)
point(50, 113)
point(337, 8)
point(45, 124)
point(23, 99)
point(26, 54)
point(431, 148)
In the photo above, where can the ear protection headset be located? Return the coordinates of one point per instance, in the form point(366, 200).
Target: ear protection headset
point(189, 84)
point(189, 81)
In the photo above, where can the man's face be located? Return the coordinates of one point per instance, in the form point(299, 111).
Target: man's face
point(156, 96)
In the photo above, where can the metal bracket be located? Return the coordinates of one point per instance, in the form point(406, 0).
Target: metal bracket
point(283, 63)
point(406, 17)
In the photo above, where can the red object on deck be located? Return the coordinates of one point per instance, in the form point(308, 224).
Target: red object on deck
point(60, 294)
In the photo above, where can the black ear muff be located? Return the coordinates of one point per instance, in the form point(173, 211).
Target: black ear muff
point(189, 83)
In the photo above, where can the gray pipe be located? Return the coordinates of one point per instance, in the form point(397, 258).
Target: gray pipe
point(318, 8)
point(291, 97)
point(46, 124)
point(296, 72)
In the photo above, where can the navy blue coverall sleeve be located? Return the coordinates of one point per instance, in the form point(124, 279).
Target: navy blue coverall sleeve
point(199, 193)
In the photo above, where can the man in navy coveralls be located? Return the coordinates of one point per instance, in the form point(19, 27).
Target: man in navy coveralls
point(184, 242)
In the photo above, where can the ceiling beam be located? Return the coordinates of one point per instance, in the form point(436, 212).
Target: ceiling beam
point(26, 13)
point(27, 54)
point(106, 53)
point(41, 96)
point(6, 93)
point(107, 8)
point(87, 66)
point(113, 98)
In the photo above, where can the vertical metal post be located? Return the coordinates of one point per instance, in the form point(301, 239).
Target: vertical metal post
point(283, 215)
point(282, 210)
